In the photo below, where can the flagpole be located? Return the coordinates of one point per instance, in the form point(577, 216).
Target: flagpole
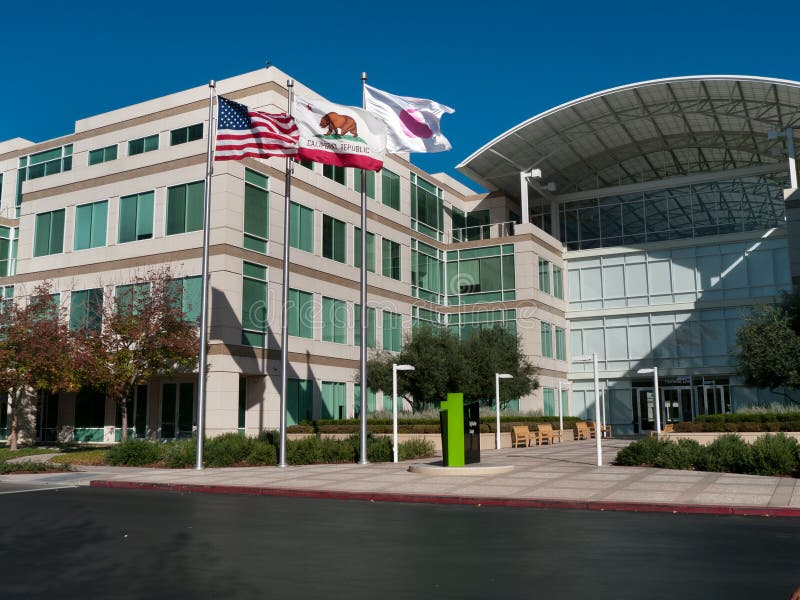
point(364, 320)
point(285, 293)
point(201, 376)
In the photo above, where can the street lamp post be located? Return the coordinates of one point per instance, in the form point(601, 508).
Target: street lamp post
point(395, 369)
point(592, 358)
point(560, 406)
point(497, 378)
point(657, 400)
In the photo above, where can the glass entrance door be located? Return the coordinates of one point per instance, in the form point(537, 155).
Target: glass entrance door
point(646, 409)
point(677, 404)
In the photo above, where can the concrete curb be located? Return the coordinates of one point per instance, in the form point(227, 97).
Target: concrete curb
point(698, 509)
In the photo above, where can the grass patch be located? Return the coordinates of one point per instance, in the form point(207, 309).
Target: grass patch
point(96, 456)
point(31, 467)
point(5, 453)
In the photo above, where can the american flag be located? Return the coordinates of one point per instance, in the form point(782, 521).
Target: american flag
point(243, 132)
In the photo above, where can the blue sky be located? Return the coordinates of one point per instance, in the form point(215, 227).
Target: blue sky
point(497, 63)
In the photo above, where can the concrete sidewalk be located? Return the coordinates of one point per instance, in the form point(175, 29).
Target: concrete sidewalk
point(561, 476)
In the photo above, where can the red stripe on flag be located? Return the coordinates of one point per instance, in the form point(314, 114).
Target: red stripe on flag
point(358, 161)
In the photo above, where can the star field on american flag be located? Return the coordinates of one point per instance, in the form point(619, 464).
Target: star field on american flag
point(243, 132)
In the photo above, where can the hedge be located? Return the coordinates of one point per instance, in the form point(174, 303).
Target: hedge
point(768, 455)
point(418, 426)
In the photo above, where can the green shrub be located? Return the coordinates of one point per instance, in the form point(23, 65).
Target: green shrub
point(31, 467)
point(227, 449)
point(381, 449)
point(728, 454)
point(179, 454)
point(683, 454)
point(304, 452)
point(133, 453)
point(641, 452)
point(262, 453)
point(415, 448)
point(775, 455)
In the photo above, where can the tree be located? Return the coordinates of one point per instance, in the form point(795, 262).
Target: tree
point(768, 346)
point(496, 350)
point(36, 352)
point(445, 364)
point(144, 334)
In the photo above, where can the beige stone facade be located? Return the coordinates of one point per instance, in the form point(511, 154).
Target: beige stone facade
point(244, 381)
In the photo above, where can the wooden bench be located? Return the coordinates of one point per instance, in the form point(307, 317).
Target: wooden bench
point(546, 432)
point(668, 428)
point(603, 430)
point(582, 431)
point(521, 435)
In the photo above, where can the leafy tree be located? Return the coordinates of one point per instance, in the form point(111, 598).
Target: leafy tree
point(768, 346)
point(445, 364)
point(36, 352)
point(144, 334)
point(496, 350)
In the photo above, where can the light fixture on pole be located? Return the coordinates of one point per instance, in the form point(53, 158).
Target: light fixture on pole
point(395, 369)
point(657, 402)
point(497, 378)
point(592, 358)
point(560, 404)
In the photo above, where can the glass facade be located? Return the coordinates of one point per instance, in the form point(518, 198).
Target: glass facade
point(481, 275)
point(689, 211)
point(371, 325)
point(142, 145)
point(370, 182)
point(186, 134)
point(301, 314)
point(427, 272)
point(464, 324)
point(392, 331)
point(334, 239)
point(390, 259)
point(370, 250)
point(334, 320)
point(102, 155)
point(390, 189)
point(427, 207)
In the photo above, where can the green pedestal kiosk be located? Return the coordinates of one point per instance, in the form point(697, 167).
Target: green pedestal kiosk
point(460, 436)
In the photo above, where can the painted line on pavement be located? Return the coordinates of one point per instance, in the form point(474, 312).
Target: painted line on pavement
point(600, 505)
point(42, 489)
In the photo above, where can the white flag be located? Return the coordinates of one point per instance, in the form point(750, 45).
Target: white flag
point(334, 134)
point(412, 123)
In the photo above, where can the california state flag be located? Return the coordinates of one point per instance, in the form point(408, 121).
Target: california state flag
point(333, 134)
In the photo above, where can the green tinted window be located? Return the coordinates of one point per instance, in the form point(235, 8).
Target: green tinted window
point(141, 145)
point(371, 324)
point(390, 189)
point(544, 275)
point(334, 172)
point(370, 182)
point(254, 305)
point(90, 225)
point(49, 235)
point(86, 310)
point(547, 340)
point(334, 239)
point(390, 259)
point(392, 331)
point(102, 155)
point(558, 283)
point(136, 217)
point(561, 344)
point(299, 400)
point(333, 400)
point(185, 207)
point(301, 314)
point(370, 250)
point(186, 134)
point(256, 211)
point(301, 227)
point(334, 320)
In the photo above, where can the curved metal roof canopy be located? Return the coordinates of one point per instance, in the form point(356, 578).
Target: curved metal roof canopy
point(644, 131)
